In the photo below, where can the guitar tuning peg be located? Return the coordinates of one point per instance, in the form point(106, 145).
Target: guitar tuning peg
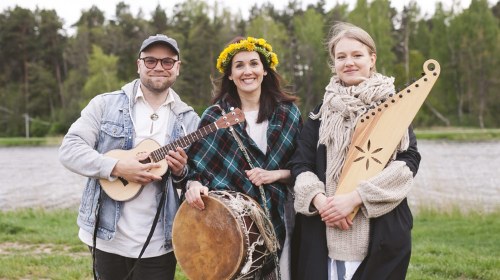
point(383, 100)
point(398, 90)
point(414, 80)
point(423, 73)
point(406, 85)
point(372, 107)
point(232, 108)
point(230, 128)
point(391, 95)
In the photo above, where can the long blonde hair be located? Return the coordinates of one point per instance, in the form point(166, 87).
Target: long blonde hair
point(342, 30)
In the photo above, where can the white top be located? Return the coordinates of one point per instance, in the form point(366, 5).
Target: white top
point(257, 131)
point(138, 214)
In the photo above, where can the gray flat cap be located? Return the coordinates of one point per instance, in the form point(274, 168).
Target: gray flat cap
point(162, 39)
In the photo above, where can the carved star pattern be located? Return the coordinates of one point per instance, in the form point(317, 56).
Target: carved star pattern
point(368, 156)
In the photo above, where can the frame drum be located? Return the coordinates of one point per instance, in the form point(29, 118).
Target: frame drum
point(214, 243)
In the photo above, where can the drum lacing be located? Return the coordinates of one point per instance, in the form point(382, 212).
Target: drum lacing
point(243, 207)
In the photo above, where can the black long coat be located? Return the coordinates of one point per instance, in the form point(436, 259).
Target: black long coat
point(389, 249)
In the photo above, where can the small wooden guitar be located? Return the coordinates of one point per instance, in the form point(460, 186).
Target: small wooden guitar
point(122, 190)
point(379, 131)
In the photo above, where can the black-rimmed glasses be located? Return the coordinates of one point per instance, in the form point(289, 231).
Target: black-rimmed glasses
point(150, 62)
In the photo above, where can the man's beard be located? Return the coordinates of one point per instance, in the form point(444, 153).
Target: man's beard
point(155, 87)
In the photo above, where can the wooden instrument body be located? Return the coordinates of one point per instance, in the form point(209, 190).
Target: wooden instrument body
point(212, 244)
point(120, 190)
point(380, 130)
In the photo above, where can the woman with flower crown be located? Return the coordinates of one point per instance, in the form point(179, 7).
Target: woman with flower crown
point(272, 122)
point(376, 244)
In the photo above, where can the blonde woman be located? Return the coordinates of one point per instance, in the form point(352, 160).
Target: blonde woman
point(377, 243)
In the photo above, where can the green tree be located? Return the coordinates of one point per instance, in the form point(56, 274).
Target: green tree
point(312, 70)
point(381, 17)
point(276, 35)
point(103, 74)
point(159, 20)
point(478, 54)
point(52, 44)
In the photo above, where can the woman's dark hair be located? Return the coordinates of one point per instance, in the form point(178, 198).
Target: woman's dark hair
point(272, 91)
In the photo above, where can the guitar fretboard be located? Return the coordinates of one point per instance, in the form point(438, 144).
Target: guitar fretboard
point(159, 154)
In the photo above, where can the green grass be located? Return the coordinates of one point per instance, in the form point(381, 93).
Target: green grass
point(43, 244)
point(436, 133)
point(33, 141)
point(463, 134)
point(455, 246)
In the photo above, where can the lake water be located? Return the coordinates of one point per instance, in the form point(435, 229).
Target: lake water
point(464, 174)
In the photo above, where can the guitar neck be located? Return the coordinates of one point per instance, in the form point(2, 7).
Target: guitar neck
point(159, 154)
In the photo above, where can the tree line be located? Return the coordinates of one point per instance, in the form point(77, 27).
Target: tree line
point(49, 76)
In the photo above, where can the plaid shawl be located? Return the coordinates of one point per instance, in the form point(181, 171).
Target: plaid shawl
point(217, 162)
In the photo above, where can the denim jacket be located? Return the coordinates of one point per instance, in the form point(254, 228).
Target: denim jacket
point(106, 124)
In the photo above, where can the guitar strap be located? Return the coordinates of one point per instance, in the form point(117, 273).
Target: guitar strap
point(150, 235)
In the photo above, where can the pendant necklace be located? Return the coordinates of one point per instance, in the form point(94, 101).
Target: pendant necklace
point(153, 117)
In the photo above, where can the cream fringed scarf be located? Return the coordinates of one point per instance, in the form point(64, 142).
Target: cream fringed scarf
point(342, 106)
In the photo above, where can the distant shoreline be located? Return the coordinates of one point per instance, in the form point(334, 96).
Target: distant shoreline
point(441, 133)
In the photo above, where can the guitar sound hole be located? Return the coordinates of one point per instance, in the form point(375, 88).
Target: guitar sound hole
point(148, 160)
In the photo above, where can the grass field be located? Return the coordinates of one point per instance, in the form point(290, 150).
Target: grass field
point(43, 244)
point(454, 133)
point(33, 141)
point(437, 133)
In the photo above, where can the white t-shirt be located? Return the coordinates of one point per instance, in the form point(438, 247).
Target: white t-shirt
point(138, 214)
point(257, 131)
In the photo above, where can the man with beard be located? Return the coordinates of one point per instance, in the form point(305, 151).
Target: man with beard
point(146, 108)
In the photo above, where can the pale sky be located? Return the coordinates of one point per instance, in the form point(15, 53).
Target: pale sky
point(70, 11)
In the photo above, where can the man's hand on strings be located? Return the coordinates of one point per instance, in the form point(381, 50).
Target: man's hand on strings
point(176, 161)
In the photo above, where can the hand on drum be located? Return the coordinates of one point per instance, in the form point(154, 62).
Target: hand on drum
point(193, 195)
point(259, 176)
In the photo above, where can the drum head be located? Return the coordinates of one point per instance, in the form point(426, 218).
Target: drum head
point(208, 244)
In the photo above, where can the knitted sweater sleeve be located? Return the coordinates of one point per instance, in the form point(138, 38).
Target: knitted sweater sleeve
point(307, 186)
point(386, 190)
point(303, 171)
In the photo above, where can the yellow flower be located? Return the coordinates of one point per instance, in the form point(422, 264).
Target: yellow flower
point(274, 58)
point(252, 40)
point(223, 55)
point(249, 46)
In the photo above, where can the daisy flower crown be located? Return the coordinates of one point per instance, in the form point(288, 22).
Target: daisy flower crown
point(250, 44)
